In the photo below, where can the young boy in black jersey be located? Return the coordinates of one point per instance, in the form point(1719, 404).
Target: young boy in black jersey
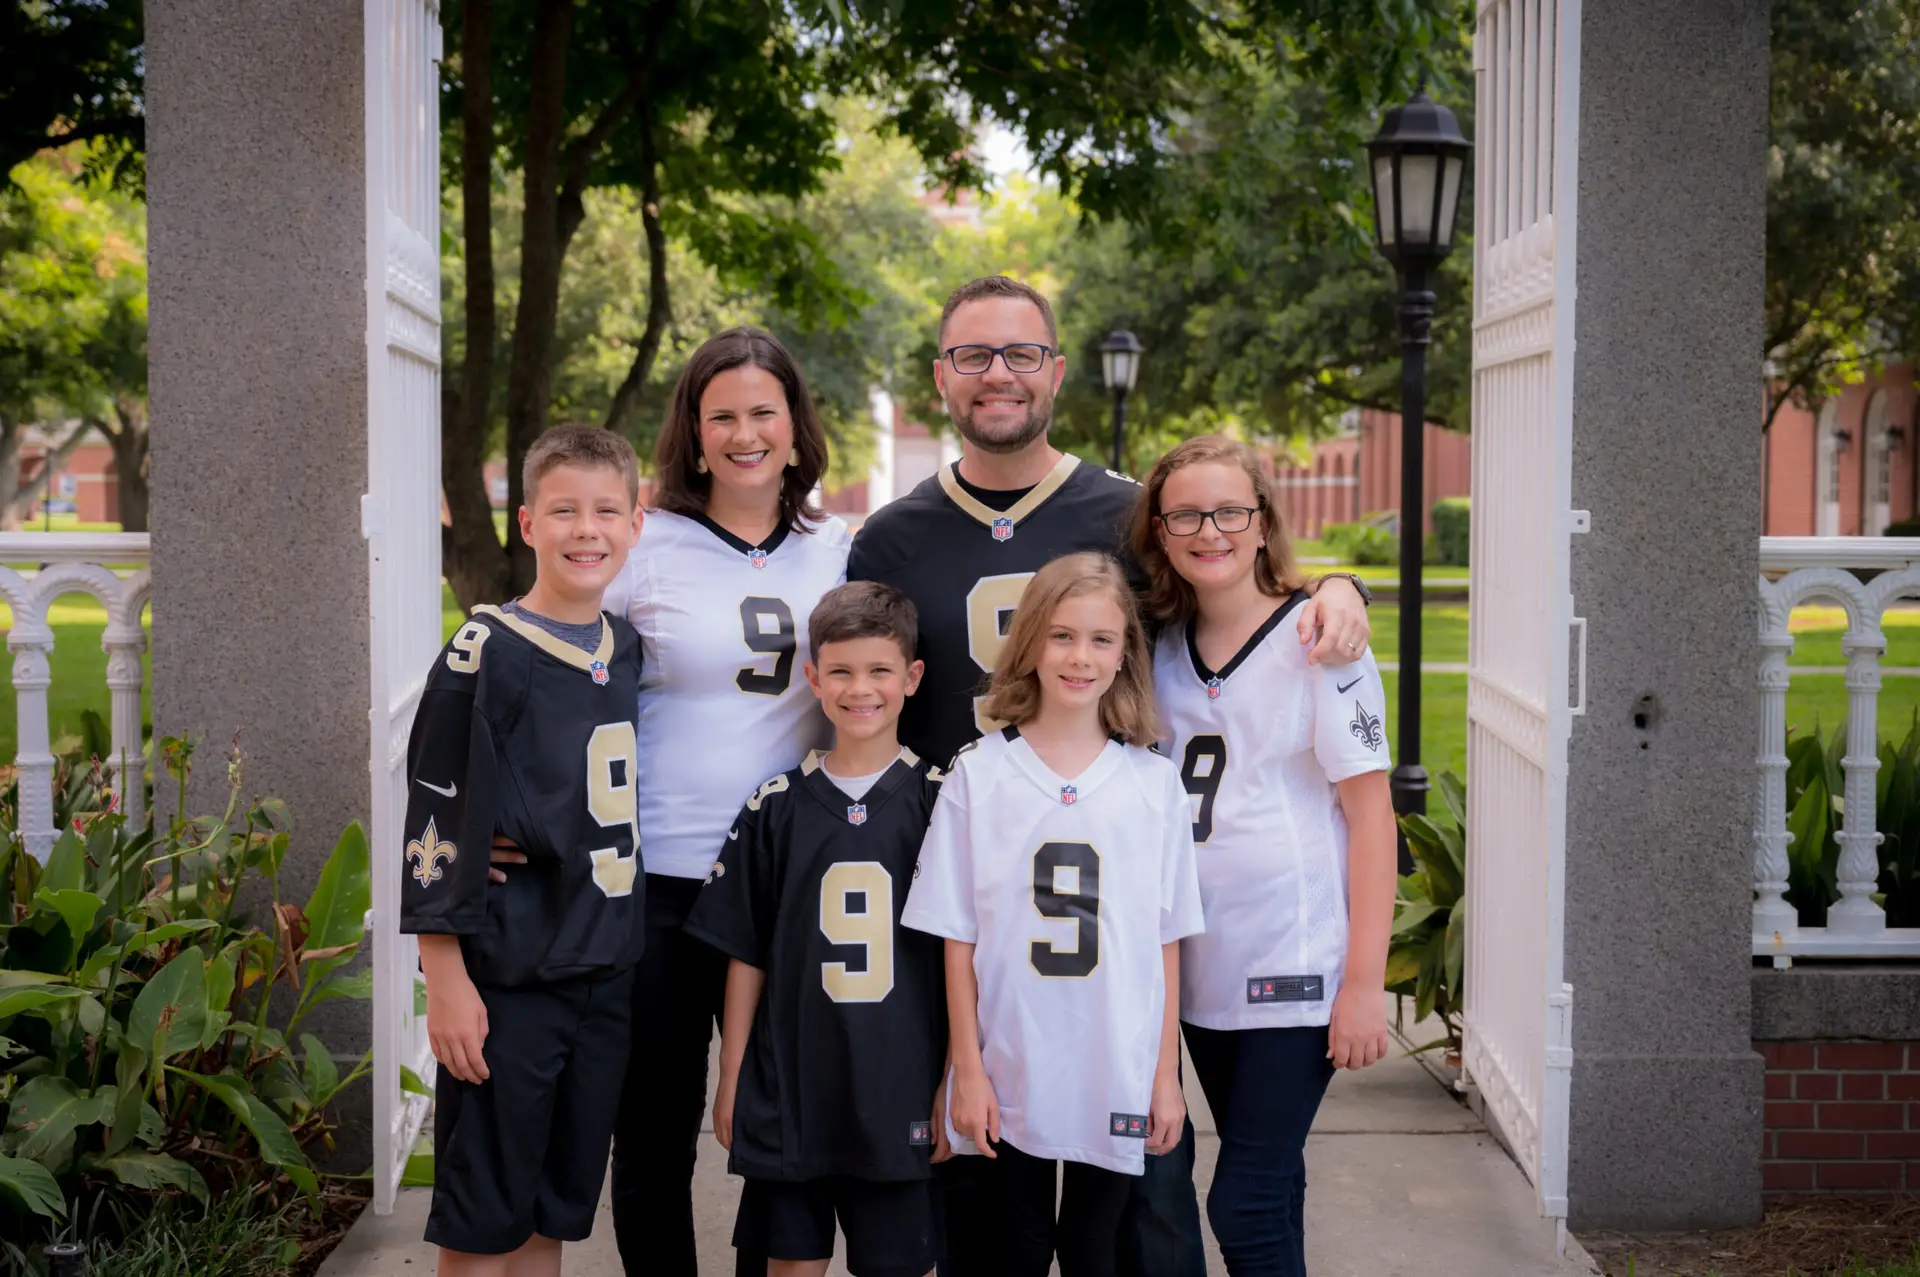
point(833, 1043)
point(525, 729)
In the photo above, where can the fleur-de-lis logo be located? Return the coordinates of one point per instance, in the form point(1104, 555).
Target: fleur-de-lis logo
point(427, 852)
point(1366, 727)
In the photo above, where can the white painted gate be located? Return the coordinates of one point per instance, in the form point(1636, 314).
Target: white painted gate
point(1522, 634)
point(400, 514)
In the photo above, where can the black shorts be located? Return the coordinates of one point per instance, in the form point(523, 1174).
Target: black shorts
point(525, 1151)
point(889, 1226)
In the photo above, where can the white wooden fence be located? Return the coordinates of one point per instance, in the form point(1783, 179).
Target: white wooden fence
point(1796, 570)
point(38, 568)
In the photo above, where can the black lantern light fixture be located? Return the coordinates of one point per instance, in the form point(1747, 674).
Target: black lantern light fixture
point(1119, 365)
point(1418, 164)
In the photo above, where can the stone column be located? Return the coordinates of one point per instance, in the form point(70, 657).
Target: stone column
point(1666, 1099)
point(257, 232)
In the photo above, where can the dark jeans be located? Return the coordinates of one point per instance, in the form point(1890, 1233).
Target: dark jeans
point(679, 987)
point(1083, 1234)
point(1264, 1086)
point(1160, 1233)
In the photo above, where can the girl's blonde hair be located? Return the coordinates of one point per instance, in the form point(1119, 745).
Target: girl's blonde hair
point(1013, 696)
point(1170, 599)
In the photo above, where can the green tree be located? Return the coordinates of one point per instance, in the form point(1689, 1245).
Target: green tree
point(73, 322)
point(74, 73)
point(1843, 196)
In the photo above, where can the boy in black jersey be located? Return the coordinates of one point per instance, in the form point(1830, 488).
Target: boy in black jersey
point(525, 729)
point(829, 1082)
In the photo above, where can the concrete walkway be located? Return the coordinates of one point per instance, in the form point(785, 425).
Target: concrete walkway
point(1402, 1180)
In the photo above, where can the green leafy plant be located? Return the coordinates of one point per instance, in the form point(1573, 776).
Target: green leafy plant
point(1426, 953)
point(1452, 525)
point(1371, 542)
point(1816, 794)
point(141, 1059)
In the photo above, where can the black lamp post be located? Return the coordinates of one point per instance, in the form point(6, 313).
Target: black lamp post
point(1119, 364)
point(1419, 161)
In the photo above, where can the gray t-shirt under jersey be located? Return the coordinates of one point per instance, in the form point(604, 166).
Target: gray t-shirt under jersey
point(585, 637)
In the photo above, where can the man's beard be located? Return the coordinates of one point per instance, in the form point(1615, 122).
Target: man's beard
point(1039, 418)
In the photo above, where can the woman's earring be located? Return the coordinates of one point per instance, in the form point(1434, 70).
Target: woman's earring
point(793, 459)
point(700, 465)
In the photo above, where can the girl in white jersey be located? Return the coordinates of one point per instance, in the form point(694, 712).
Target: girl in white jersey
point(1060, 868)
point(1285, 766)
point(732, 557)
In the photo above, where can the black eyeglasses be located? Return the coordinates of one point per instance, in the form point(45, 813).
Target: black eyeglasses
point(971, 361)
point(1228, 518)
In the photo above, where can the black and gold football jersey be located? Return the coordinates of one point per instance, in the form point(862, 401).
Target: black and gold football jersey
point(849, 1039)
point(964, 564)
point(521, 733)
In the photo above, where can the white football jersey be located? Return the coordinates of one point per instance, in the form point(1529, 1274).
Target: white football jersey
point(1068, 890)
point(723, 701)
point(1260, 744)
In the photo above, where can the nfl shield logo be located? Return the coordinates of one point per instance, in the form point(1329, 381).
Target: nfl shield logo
point(857, 814)
point(599, 669)
point(757, 557)
point(1069, 795)
point(1003, 529)
point(1213, 689)
point(1119, 1125)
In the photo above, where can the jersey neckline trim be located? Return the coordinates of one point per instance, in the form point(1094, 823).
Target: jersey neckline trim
point(1091, 777)
point(559, 649)
point(768, 546)
point(818, 781)
point(985, 514)
point(1259, 636)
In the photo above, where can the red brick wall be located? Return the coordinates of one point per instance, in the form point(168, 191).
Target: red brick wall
point(1841, 1117)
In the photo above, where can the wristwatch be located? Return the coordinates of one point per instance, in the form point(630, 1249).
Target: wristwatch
point(1366, 595)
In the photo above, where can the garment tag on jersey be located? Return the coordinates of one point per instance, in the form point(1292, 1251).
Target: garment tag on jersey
point(857, 814)
point(1286, 988)
point(920, 1134)
point(1069, 795)
point(757, 557)
point(599, 671)
point(1003, 529)
point(1130, 1126)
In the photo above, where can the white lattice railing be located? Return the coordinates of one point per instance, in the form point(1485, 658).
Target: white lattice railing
point(35, 569)
point(1796, 570)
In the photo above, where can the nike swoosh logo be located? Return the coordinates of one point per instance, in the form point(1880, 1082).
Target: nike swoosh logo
point(732, 834)
point(450, 791)
point(1356, 682)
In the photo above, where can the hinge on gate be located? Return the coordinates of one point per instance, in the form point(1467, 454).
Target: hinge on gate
point(1581, 521)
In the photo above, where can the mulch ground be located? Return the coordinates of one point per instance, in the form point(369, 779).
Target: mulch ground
point(340, 1204)
point(1814, 1238)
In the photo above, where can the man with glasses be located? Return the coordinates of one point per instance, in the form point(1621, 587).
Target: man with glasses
point(962, 546)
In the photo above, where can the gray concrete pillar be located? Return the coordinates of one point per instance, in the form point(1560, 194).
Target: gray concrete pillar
point(1666, 1101)
point(257, 231)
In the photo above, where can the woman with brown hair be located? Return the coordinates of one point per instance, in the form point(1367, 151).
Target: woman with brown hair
point(1286, 766)
point(732, 557)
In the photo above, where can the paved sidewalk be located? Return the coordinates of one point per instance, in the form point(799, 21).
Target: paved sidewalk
point(1402, 1180)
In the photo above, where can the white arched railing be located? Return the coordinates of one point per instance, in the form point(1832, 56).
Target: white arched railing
point(1804, 569)
point(35, 569)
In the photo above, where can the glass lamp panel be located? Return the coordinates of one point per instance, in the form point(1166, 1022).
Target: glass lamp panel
point(1110, 367)
point(1419, 175)
point(1386, 220)
point(1450, 198)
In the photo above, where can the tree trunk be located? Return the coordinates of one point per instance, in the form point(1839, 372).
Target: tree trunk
point(12, 434)
point(626, 400)
point(530, 366)
point(19, 494)
point(473, 559)
point(129, 441)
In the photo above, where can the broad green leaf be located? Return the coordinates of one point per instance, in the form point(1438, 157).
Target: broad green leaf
point(1411, 916)
point(337, 910)
point(1432, 968)
point(410, 1083)
point(220, 978)
point(277, 1145)
point(318, 1073)
point(15, 1001)
point(130, 1072)
point(170, 1015)
point(33, 1186)
point(102, 958)
point(1454, 794)
point(1403, 968)
point(153, 1171)
point(358, 986)
point(1456, 954)
point(46, 1111)
point(76, 908)
point(66, 864)
point(419, 1171)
